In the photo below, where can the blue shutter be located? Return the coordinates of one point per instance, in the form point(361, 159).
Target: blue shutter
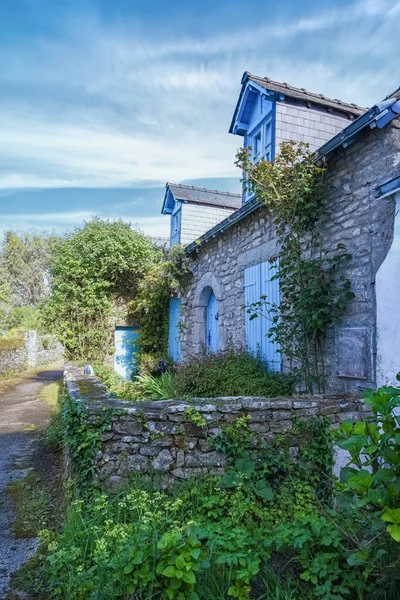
point(176, 219)
point(174, 332)
point(257, 283)
point(212, 324)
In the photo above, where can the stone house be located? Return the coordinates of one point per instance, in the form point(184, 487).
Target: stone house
point(231, 261)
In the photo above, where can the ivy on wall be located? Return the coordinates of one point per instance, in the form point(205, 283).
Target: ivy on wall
point(150, 306)
point(314, 293)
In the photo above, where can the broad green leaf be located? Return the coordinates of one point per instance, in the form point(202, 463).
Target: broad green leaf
point(189, 577)
point(394, 531)
point(169, 571)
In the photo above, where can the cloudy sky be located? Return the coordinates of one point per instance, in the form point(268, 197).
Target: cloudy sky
point(103, 101)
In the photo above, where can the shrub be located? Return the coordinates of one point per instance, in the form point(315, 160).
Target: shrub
point(230, 373)
point(13, 340)
point(157, 388)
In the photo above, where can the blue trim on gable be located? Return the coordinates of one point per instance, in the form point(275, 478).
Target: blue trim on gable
point(168, 203)
point(389, 187)
point(246, 103)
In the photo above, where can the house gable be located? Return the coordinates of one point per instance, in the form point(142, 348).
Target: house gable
point(195, 210)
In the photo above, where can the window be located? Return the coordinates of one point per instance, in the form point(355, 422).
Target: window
point(261, 141)
point(257, 145)
point(176, 227)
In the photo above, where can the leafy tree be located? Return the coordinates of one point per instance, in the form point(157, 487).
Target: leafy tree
point(24, 265)
point(91, 269)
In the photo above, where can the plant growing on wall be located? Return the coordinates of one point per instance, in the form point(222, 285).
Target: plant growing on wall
point(166, 278)
point(314, 294)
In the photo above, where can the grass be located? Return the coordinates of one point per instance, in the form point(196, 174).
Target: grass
point(32, 506)
point(11, 378)
point(52, 394)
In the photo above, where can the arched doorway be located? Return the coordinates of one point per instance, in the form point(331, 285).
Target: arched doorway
point(212, 323)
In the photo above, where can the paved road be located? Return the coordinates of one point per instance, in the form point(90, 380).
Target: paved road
point(23, 415)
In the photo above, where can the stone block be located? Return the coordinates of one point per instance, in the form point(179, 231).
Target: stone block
point(133, 462)
point(163, 461)
point(280, 426)
point(261, 416)
point(127, 427)
point(251, 404)
point(162, 427)
point(180, 458)
point(259, 427)
point(204, 459)
point(281, 415)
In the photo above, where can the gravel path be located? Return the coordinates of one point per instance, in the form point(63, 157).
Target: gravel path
point(23, 416)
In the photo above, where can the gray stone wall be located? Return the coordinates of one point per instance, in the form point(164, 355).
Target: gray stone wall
point(354, 217)
point(35, 350)
point(161, 437)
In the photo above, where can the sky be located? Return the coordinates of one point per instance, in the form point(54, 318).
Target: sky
point(103, 101)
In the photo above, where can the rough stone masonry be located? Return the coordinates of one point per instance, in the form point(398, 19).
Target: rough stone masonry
point(161, 437)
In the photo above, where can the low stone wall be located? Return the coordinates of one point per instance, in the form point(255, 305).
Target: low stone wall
point(162, 437)
point(28, 351)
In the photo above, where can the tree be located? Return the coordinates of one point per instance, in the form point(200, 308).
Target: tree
point(24, 265)
point(90, 269)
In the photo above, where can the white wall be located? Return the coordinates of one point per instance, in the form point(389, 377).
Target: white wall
point(310, 125)
point(197, 219)
point(388, 310)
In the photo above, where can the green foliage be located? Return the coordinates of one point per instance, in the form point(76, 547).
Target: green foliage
point(12, 340)
point(24, 266)
point(156, 388)
point(23, 317)
point(313, 291)
point(150, 305)
point(83, 437)
point(372, 477)
point(90, 268)
point(194, 417)
point(230, 373)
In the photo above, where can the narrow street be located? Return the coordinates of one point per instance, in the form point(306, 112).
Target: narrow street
point(23, 418)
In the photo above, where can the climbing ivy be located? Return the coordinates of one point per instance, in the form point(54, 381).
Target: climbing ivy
point(150, 306)
point(314, 293)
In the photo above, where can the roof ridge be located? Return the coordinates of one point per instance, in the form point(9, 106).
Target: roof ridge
point(315, 95)
point(199, 189)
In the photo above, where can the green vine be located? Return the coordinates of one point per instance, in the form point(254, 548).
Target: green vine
point(83, 438)
point(314, 293)
point(150, 306)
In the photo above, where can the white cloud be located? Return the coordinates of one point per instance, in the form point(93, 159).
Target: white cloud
point(62, 221)
point(110, 105)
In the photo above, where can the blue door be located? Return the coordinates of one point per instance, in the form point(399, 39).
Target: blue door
point(174, 331)
point(212, 324)
point(259, 282)
point(125, 341)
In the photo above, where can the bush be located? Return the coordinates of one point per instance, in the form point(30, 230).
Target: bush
point(230, 373)
point(13, 340)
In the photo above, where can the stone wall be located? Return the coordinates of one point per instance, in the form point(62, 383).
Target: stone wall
point(29, 352)
point(161, 437)
point(355, 217)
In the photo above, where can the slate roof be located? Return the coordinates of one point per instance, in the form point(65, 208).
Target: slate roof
point(303, 94)
point(395, 94)
point(196, 195)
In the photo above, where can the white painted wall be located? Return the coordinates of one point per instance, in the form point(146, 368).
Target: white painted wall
point(388, 310)
point(310, 125)
point(197, 219)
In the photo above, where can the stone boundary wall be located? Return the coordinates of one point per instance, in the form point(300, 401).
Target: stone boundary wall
point(161, 437)
point(34, 351)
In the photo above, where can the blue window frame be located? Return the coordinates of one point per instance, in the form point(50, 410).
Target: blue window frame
point(262, 142)
point(176, 219)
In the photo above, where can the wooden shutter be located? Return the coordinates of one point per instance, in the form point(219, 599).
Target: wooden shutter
point(174, 332)
point(258, 282)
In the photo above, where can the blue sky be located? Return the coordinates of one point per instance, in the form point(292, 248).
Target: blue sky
point(103, 101)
